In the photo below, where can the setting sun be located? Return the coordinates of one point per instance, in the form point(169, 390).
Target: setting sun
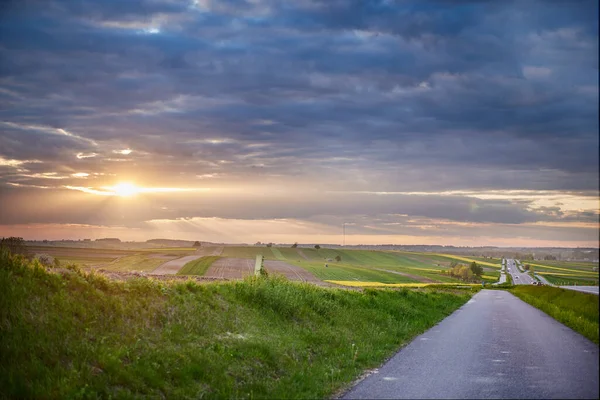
point(125, 189)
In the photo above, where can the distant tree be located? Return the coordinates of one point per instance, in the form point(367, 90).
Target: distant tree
point(295, 245)
point(317, 246)
point(526, 267)
point(114, 240)
point(476, 269)
point(269, 244)
point(16, 245)
point(549, 257)
point(338, 258)
point(197, 244)
point(453, 263)
point(257, 243)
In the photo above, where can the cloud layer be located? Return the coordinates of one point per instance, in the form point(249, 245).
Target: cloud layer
point(306, 110)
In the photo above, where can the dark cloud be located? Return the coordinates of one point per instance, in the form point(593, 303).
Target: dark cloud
point(326, 95)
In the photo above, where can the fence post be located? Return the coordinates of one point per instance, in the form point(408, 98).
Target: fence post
point(258, 265)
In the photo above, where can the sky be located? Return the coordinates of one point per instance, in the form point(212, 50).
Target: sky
point(468, 123)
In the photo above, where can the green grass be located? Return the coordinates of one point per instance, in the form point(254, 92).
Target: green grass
point(198, 266)
point(78, 335)
point(578, 311)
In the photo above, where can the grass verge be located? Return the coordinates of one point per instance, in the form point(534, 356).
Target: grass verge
point(198, 266)
point(73, 334)
point(578, 311)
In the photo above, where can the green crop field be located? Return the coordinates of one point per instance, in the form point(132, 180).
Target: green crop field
point(566, 272)
point(199, 266)
point(363, 265)
point(346, 272)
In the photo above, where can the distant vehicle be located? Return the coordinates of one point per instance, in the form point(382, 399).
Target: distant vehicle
point(516, 277)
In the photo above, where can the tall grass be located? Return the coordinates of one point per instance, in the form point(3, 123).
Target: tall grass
point(579, 311)
point(73, 334)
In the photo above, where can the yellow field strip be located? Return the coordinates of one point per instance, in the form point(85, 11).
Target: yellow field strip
point(456, 258)
point(578, 272)
point(379, 284)
point(561, 274)
point(425, 269)
point(469, 260)
point(489, 277)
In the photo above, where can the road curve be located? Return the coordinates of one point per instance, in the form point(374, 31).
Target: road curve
point(495, 346)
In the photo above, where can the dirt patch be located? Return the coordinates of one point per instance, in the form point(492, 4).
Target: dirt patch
point(231, 268)
point(217, 251)
point(291, 272)
point(239, 268)
point(411, 276)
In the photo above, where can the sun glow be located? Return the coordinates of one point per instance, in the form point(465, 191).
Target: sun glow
point(125, 189)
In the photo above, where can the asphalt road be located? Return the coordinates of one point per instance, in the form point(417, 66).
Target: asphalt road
point(495, 346)
point(518, 277)
point(584, 289)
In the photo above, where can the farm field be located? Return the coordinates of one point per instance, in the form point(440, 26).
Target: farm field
point(138, 262)
point(566, 272)
point(113, 259)
point(79, 255)
point(355, 265)
point(347, 272)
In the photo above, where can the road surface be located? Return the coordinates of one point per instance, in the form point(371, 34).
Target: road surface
point(495, 346)
point(518, 277)
point(501, 280)
point(585, 289)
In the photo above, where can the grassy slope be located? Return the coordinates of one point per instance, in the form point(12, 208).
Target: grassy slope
point(577, 310)
point(198, 266)
point(78, 335)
